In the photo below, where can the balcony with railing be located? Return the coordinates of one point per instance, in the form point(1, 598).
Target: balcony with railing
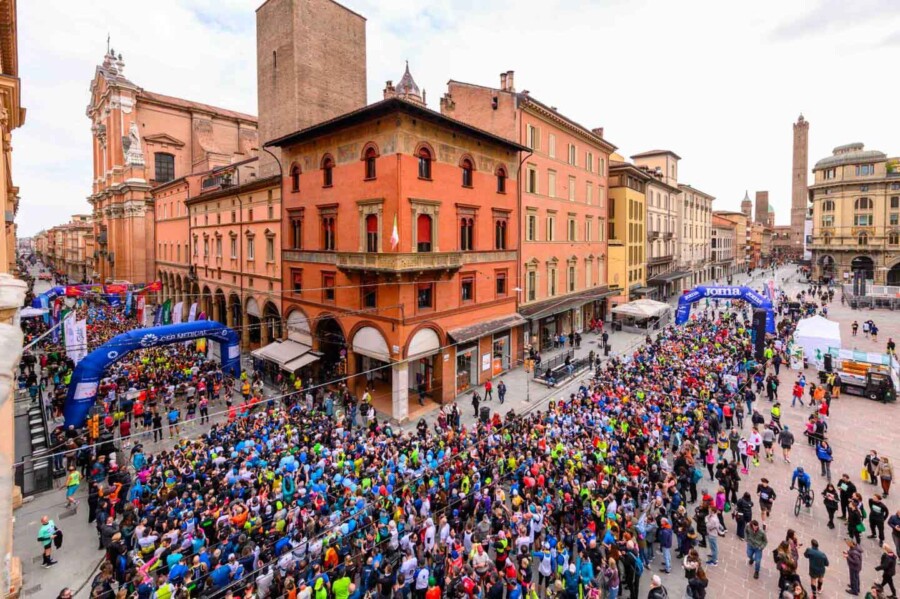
point(657, 260)
point(652, 235)
point(668, 235)
point(218, 181)
point(404, 262)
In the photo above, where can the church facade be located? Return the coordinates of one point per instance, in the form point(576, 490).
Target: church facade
point(142, 140)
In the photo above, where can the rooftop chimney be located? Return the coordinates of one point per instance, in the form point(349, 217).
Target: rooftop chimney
point(503, 82)
point(598, 131)
point(510, 86)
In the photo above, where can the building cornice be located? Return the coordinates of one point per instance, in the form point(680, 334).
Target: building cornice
point(539, 110)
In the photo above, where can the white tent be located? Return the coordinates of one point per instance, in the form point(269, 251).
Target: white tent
point(642, 309)
point(815, 335)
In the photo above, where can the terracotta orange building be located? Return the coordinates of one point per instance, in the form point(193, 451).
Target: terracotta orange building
point(563, 203)
point(400, 249)
point(143, 139)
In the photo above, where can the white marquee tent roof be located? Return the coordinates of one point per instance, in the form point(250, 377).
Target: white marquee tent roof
point(642, 308)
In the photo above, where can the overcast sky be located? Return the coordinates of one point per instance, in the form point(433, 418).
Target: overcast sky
point(720, 83)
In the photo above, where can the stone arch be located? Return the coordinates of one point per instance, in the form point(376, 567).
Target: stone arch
point(369, 146)
point(220, 305)
point(435, 329)
point(331, 340)
point(253, 320)
point(206, 301)
point(271, 322)
point(298, 327)
point(466, 156)
point(424, 145)
point(235, 315)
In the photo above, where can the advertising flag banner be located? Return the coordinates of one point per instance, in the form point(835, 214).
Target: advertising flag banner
point(141, 304)
point(158, 316)
point(176, 313)
point(192, 316)
point(69, 326)
point(129, 298)
point(167, 312)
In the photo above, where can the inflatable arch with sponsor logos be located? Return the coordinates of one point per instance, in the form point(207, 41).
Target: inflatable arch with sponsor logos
point(82, 393)
point(683, 313)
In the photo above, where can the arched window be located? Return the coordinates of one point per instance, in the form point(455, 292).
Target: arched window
point(826, 239)
point(370, 156)
point(500, 234)
point(863, 239)
point(423, 233)
point(295, 178)
point(466, 234)
point(467, 170)
point(425, 159)
point(371, 233)
point(327, 171)
point(501, 180)
point(863, 204)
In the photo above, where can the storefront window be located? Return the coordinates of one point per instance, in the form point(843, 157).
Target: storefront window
point(466, 368)
point(500, 361)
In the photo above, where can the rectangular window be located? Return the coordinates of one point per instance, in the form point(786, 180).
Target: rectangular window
point(296, 281)
point(571, 189)
point(296, 233)
point(425, 296)
point(271, 211)
point(571, 278)
point(218, 247)
point(206, 248)
point(588, 233)
point(551, 184)
point(862, 220)
point(165, 167)
point(587, 275)
point(551, 282)
point(270, 249)
point(178, 251)
point(371, 223)
point(467, 289)
point(830, 173)
point(531, 228)
point(532, 286)
point(827, 220)
point(327, 287)
point(500, 279)
point(369, 292)
point(572, 155)
point(551, 228)
point(328, 233)
point(234, 248)
point(251, 249)
point(551, 145)
point(534, 137)
point(863, 170)
point(250, 214)
point(571, 230)
point(895, 202)
point(602, 170)
point(532, 183)
point(894, 219)
point(589, 161)
point(588, 193)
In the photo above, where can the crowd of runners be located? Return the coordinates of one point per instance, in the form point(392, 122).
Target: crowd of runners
point(642, 469)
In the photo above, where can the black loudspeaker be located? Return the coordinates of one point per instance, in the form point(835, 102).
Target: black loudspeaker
point(828, 364)
point(759, 331)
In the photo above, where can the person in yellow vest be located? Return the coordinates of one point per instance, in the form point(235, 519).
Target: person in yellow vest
point(73, 481)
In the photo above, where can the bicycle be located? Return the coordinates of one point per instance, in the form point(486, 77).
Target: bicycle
point(804, 497)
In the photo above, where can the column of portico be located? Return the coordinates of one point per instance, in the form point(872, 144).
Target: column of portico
point(400, 391)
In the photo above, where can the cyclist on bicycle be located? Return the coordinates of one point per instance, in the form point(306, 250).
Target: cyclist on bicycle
point(801, 479)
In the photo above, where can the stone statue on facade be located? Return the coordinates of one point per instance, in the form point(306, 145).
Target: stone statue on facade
point(134, 155)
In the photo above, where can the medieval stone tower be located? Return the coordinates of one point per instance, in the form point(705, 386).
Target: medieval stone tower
point(747, 207)
point(799, 195)
point(311, 67)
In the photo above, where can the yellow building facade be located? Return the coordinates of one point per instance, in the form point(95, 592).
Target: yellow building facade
point(627, 230)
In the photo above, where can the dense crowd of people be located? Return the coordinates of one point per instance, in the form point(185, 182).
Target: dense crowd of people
point(644, 464)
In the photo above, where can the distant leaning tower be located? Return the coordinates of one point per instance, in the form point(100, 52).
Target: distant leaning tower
point(799, 192)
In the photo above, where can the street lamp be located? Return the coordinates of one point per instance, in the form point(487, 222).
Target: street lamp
point(528, 363)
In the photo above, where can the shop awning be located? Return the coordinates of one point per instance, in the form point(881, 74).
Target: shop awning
point(281, 352)
point(298, 363)
point(424, 343)
point(642, 309)
point(556, 305)
point(488, 327)
point(644, 290)
point(669, 277)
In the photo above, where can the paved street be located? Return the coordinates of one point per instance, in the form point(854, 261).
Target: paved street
point(857, 425)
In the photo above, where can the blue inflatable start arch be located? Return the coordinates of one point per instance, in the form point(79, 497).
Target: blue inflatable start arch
point(85, 381)
point(683, 313)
